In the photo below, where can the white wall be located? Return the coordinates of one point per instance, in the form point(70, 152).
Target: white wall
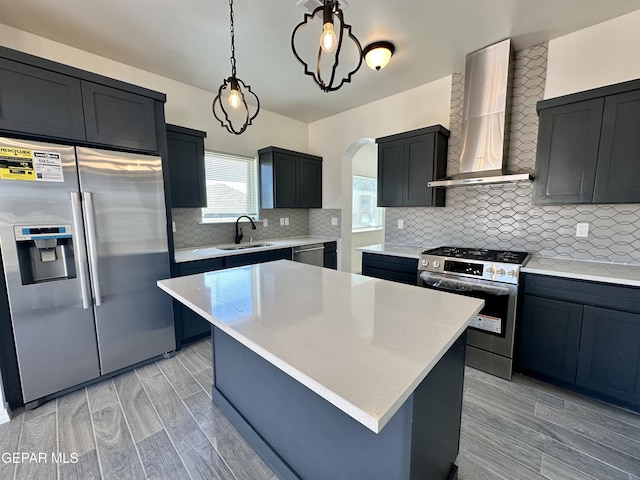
point(365, 161)
point(186, 105)
point(338, 138)
point(594, 57)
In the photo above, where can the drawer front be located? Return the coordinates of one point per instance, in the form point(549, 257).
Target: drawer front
point(387, 267)
point(618, 297)
point(389, 262)
point(257, 257)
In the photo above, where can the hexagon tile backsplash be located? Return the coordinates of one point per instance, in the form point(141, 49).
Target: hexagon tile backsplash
point(502, 216)
point(191, 233)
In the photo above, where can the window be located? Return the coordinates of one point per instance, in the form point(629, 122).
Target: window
point(365, 211)
point(232, 187)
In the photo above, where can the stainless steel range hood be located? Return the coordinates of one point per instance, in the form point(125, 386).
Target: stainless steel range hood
point(486, 119)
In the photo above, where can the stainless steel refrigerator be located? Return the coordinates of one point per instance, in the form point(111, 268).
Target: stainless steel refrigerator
point(83, 239)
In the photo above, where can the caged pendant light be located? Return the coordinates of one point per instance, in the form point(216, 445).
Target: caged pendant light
point(332, 39)
point(235, 90)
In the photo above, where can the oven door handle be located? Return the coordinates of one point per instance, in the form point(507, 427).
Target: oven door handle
point(437, 280)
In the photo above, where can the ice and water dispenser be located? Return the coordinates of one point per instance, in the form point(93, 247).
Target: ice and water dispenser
point(45, 253)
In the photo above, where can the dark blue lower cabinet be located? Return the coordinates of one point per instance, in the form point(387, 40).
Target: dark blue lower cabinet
point(582, 335)
point(331, 255)
point(609, 360)
point(550, 337)
point(300, 435)
point(389, 267)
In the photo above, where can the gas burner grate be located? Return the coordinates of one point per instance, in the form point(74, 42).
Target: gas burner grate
point(503, 256)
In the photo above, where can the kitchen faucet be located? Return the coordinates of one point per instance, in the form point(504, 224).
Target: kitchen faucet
point(239, 231)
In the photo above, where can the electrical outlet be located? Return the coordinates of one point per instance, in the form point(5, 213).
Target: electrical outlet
point(281, 221)
point(265, 223)
point(286, 220)
point(173, 227)
point(582, 230)
point(400, 224)
point(334, 221)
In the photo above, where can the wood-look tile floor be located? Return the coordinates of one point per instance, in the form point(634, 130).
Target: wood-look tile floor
point(159, 422)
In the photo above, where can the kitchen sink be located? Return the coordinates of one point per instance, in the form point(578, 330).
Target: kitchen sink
point(242, 247)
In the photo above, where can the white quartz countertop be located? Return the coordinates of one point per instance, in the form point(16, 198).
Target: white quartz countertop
point(409, 251)
point(582, 270)
point(361, 343)
point(215, 251)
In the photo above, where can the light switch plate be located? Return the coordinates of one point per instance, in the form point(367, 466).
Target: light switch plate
point(400, 224)
point(582, 230)
point(334, 221)
point(286, 220)
point(173, 227)
point(265, 223)
point(281, 221)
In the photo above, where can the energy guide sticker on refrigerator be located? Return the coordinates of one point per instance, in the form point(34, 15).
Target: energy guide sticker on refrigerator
point(83, 239)
point(30, 165)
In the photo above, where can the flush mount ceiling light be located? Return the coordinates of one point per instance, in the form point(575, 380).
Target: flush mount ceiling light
point(328, 75)
point(378, 54)
point(235, 90)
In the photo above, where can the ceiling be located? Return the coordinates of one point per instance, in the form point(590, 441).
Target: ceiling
point(188, 40)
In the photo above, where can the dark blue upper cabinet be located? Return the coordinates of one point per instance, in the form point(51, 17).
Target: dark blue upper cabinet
point(40, 102)
point(289, 179)
point(406, 162)
point(568, 140)
point(186, 167)
point(588, 147)
point(618, 172)
point(48, 100)
point(119, 118)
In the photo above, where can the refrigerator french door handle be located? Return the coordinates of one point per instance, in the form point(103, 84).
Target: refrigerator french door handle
point(92, 243)
point(76, 210)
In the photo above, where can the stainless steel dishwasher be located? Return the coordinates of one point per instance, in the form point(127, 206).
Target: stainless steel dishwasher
point(310, 254)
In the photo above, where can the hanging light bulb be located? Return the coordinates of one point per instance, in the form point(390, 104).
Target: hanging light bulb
point(328, 39)
point(234, 99)
point(238, 92)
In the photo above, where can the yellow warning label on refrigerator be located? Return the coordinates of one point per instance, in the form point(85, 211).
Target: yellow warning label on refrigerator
point(16, 164)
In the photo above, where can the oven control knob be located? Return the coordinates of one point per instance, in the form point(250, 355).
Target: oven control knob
point(491, 271)
point(425, 263)
point(436, 263)
point(512, 273)
point(501, 272)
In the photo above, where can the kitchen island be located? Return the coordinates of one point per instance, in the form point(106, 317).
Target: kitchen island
point(334, 375)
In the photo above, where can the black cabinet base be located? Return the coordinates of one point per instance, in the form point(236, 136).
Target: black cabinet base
point(296, 431)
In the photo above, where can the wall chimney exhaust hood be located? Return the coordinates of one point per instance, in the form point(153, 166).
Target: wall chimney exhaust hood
point(486, 119)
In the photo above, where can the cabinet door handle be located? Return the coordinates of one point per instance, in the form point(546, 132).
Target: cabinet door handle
point(78, 228)
point(92, 242)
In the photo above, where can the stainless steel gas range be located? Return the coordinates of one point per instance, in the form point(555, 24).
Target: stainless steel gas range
point(488, 274)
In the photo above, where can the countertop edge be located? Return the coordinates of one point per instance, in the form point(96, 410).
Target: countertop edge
point(406, 251)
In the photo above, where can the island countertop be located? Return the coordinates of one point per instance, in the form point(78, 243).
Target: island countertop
point(362, 344)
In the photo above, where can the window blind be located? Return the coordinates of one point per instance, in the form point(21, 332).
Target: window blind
point(231, 183)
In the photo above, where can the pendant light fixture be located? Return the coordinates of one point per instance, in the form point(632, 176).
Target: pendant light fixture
point(378, 54)
point(235, 90)
point(331, 42)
